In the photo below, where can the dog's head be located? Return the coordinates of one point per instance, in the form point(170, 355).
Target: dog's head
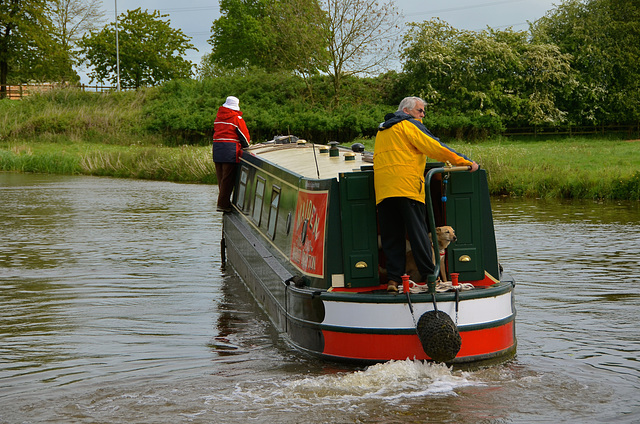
point(445, 234)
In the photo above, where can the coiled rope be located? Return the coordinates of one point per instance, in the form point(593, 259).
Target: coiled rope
point(441, 287)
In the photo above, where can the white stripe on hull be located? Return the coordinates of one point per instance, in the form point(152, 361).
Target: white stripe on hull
point(398, 315)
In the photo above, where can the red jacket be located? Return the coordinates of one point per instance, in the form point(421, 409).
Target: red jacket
point(230, 135)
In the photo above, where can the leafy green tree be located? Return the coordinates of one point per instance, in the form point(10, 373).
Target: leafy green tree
point(302, 37)
point(150, 50)
point(274, 35)
point(547, 78)
point(28, 51)
point(241, 36)
point(429, 56)
point(342, 38)
point(603, 39)
point(460, 72)
point(489, 75)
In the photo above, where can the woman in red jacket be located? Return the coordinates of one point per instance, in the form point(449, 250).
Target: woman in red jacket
point(230, 136)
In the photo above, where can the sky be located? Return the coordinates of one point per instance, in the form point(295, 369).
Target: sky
point(194, 17)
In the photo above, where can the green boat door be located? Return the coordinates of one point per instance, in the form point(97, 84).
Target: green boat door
point(359, 229)
point(468, 211)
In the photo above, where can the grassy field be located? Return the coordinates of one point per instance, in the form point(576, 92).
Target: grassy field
point(585, 168)
point(571, 168)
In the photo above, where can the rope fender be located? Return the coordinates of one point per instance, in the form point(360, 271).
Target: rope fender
point(439, 336)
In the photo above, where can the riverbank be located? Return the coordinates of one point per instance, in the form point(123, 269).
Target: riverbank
point(187, 164)
point(579, 167)
point(557, 167)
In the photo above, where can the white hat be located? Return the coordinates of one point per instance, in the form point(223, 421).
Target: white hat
point(232, 103)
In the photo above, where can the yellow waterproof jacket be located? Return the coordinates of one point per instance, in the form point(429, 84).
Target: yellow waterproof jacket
point(401, 149)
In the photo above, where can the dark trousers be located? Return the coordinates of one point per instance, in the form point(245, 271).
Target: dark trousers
point(226, 174)
point(398, 218)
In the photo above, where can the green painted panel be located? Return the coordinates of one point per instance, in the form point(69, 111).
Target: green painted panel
point(463, 183)
point(464, 215)
point(466, 260)
point(359, 226)
point(464, 219)
point(358, 188)
point(362, 266)
point(359, 229)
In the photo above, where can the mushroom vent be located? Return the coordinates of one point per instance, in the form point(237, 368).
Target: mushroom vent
point(357, 147)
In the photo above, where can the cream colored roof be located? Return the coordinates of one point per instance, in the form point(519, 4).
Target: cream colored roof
point(299, 158)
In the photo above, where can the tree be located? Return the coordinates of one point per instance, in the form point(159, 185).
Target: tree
point(491, 74)
point(301, 44)
point(362, 37)
point(241, 36)
point(339, 37)
point(274, 35)
point(27, 49)
point(603, 39)
point(73, 18)
point(547, 74)
point(462, 72)
point(150, 50)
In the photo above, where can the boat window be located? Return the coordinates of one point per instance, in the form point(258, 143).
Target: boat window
point(273, 212)
point(259, 199)
point(242, 189)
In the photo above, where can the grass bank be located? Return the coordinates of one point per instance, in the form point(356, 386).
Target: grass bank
point(582, 168)
point(144, 161)
point(576, 167)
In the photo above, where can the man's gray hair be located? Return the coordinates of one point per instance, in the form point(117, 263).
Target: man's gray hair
point(410, 103)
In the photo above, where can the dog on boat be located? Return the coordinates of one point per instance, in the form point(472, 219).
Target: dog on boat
point(445, 235)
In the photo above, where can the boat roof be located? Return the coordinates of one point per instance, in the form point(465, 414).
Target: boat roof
point(312, 161)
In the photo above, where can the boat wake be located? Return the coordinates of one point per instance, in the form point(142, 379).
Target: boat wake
point(392, 381)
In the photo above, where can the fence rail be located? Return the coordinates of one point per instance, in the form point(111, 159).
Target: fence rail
point(20, 91)
point(574, 130)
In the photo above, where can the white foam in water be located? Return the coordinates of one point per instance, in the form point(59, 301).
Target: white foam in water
point(392, 382)
point(394, 379)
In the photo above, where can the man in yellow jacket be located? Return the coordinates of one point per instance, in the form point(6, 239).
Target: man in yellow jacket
point(401, 149)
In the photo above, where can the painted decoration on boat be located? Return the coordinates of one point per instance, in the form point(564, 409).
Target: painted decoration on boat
point(307, 246)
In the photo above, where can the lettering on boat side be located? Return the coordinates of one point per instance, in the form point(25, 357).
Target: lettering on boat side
point(312, 185)
point(307, 245)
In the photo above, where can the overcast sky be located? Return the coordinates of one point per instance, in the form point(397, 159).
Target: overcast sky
point(195, 17)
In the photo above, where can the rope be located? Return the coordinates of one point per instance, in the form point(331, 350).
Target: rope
point(441, 287)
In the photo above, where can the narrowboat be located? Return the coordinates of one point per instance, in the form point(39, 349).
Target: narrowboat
point(303, 237)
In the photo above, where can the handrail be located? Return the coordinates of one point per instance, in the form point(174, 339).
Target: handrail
point(431, 222)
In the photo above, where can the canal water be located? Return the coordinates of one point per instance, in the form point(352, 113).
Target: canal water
point(115, 308)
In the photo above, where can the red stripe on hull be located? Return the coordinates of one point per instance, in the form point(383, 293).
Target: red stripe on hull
point(382, 347)
point(488, 340)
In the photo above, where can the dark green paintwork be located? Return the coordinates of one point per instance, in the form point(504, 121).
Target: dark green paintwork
point(351, 227)
point(359, 229)
point(468, 211)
